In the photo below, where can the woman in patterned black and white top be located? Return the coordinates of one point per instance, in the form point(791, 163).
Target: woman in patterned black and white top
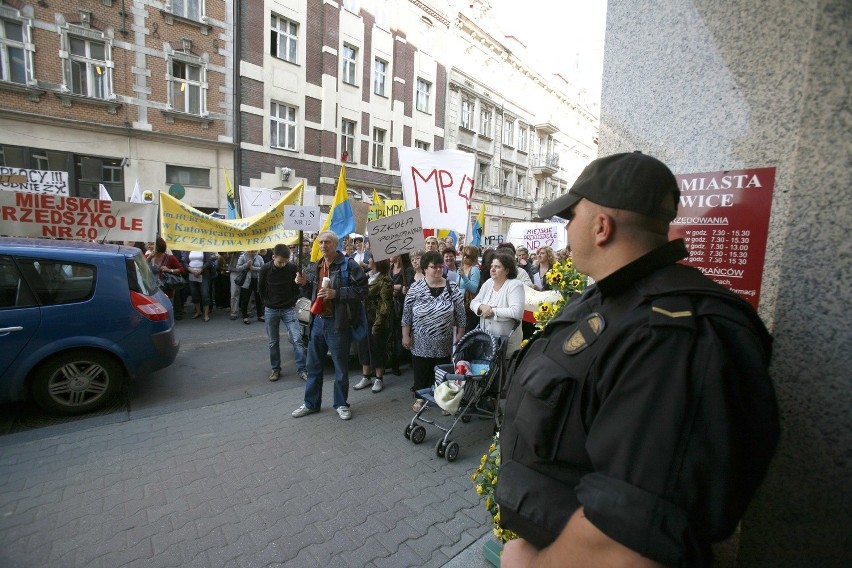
point(434, 309)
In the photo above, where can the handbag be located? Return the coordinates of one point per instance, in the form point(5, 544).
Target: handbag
point(171, 281)
point(240, 278)
point(449, 395)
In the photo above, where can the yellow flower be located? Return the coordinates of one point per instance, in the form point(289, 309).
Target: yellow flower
point(479, 490)
point(524, 342)
point(544, 308)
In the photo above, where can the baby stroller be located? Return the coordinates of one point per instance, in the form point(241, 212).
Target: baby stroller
point(481, 387)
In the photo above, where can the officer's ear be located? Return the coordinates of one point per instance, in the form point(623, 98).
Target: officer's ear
point(603, 228)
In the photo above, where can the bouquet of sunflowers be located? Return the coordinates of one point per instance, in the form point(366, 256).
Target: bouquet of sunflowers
point(565, 279)
point(485, 479)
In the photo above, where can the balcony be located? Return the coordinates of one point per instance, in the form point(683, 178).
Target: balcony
point(546, 128)
point(543, 165)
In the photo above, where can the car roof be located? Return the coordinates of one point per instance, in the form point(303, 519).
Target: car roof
point(10, 244)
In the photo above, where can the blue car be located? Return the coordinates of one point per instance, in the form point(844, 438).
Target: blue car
point(76, 320)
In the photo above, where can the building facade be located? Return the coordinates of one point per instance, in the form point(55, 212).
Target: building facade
point(359, 79)
point(329, 83)
point(114, 91)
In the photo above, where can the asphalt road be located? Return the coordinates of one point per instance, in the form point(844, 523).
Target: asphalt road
point(219, 361)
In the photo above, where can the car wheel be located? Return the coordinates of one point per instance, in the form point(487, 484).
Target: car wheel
point(76, 382)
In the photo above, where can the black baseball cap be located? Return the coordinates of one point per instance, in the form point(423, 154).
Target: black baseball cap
point(632, 181)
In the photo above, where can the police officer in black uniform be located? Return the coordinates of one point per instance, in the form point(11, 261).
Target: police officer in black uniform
point(641, 420)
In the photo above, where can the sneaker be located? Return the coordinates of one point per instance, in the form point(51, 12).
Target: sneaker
point(303, 411)
point(344, 412)
point(378, 385)
point(303, 375)
point(363, 383)
point(276, 374)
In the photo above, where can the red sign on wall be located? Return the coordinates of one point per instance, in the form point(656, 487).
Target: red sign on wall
point(724, 219)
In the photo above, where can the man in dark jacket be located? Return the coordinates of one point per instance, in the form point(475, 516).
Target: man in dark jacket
point(330, 327)
point(278, 291)
point(641, 420)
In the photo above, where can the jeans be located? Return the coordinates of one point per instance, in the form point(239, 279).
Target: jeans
point(326, 339)
point(274, 317)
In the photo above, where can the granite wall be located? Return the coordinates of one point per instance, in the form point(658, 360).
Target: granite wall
point(710, 85)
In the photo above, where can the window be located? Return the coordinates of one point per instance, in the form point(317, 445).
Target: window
point(183, 175)
point(86, 68)
point(522, 138)
point(467, 114)
point(484, 180)
point(282, 126)
point(521, 184)
point(13, 57)
point(347, 140)
point(508, 131)
point(285, 38)
point(187, 87)
point(420, 144)
point(351, 5)
point(380, 75)
point(378, 148)
point(382, 14)
point(350, 64)
point(190, 9)
point(423, 88)
point(507, 181)
point(485, 122)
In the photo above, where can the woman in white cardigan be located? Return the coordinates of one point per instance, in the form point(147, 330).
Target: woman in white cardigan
point(500, 301)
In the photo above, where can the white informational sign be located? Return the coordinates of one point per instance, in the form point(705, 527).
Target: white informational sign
point(301, 218)
point(36, 215)
point(396, 234)
point(257, 200)
point(439, 184)
point(33, 181)
point(536, 235)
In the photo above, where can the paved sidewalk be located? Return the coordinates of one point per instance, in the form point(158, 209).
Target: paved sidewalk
point(243, 484)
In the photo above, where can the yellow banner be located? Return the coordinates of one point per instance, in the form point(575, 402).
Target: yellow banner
point(386, 209)
point(186, 228)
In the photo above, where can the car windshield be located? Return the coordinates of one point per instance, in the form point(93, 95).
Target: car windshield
point(139, 275)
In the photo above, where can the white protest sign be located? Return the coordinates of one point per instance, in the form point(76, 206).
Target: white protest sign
point(257, 200)
point(33, 181)
point(439, 184)
point(536, 235)
point(395, 234)
point(301, 218)
point(24, 214)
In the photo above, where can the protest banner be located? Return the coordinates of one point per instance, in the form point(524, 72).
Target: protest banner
point(33, 181)
point(258, 200)
point(397, 234)
point(440, 184)
point(186, 228)
point(386, 209)
point(536, 235)
point(24, 214)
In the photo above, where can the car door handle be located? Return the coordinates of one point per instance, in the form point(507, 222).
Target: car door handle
point(8, 329)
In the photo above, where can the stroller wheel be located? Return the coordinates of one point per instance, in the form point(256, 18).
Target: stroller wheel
point(418, 434)
point(440, 448)
point(466, 418)
point(452, 451)
point(407, 432)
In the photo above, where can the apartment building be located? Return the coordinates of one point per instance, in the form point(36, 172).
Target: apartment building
point(114, 91)
point(328, 83)
point(334, 82)
point(531, 134)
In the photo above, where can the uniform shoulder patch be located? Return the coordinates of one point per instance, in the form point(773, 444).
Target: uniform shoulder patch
point(583, 333)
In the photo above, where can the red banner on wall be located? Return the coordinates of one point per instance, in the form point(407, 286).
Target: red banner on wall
point(724, 219)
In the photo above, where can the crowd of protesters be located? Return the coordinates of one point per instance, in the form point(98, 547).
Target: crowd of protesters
point(402, 298)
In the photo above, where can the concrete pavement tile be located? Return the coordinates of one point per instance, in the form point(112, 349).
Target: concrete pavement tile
point(458, 523)
point(142, 550)
point(452, 549)
point(227, 555)
point(430, 542)
point(179, 519)
point(366, 554)
point(404, 557)
point(330, 548)
point(395, 536)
